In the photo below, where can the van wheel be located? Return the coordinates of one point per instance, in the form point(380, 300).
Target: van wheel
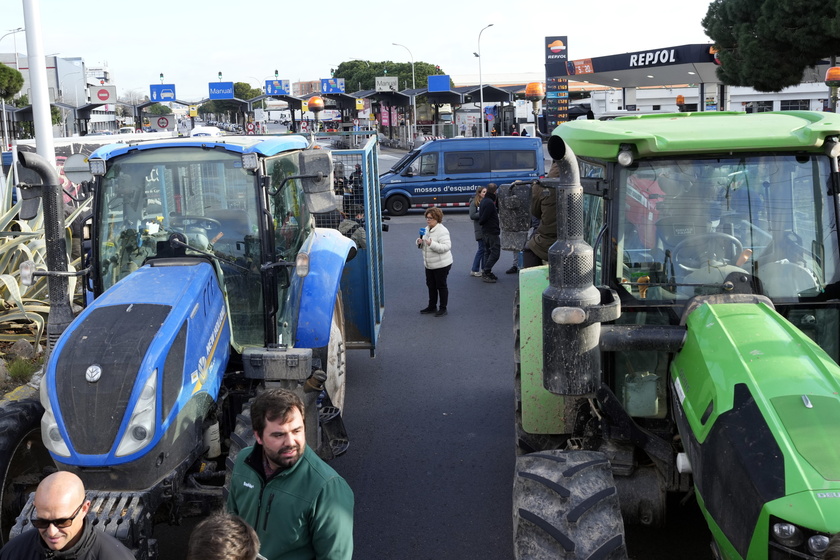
point(397, 205)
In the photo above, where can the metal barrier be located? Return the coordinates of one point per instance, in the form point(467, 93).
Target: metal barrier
point(359, 189)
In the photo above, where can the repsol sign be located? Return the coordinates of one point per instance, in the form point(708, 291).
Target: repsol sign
point(665, 56)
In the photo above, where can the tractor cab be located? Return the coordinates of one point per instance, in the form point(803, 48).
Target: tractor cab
point(248, 220)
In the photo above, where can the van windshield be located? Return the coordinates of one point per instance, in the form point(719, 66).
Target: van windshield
point(401, 164)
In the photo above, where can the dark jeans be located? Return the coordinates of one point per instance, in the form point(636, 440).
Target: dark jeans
point(492, 250)
point(478, 260)
point(436, 282)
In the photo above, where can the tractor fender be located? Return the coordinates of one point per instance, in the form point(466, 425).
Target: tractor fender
point(328, 252)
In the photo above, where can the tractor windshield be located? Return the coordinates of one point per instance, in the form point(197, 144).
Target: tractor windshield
point(686, 225)
point(206, 195)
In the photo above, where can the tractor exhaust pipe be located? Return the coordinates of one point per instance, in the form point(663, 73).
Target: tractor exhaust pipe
point(61, 312)
point(573, 308)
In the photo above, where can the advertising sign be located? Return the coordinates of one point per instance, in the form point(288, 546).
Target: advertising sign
point(162, 92)
point(385, 83)
point(332, 85)
point(221, 90)
point(277, 87)
point(556, 85)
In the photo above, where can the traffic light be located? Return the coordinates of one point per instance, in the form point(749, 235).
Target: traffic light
point(437, 68)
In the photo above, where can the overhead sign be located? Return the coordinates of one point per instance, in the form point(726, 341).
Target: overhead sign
point(277, 87)
point(103, 94)
point(221, 90)
point(332, 85)
point(162, 92)
point(386, 83)
point(438, 82)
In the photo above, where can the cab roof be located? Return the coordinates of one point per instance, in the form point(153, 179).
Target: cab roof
point(680, 134)
point(262, 145)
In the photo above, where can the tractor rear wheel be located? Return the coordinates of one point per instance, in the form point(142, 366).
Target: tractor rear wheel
point(565, 505)
point(24, 461)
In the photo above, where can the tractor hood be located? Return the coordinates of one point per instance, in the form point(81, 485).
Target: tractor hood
point(146, 353)
point(758, 410)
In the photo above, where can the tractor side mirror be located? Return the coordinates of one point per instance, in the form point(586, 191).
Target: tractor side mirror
point(316, 169)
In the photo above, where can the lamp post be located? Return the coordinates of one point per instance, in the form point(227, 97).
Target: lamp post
point(413, 97)
point(481, 80)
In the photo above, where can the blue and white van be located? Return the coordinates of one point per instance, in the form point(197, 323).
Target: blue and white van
point(447, 172)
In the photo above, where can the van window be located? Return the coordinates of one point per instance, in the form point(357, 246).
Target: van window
point(465, 162)
point(513, 160)
point(426, 164)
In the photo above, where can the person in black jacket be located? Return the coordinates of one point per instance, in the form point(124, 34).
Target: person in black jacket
point(61, 530)
point(488, 217)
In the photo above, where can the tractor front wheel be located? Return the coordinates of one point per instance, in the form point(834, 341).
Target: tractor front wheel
point(565, 505)
point(24, 461)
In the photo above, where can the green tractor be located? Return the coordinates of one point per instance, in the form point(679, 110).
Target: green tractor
point(684, 336)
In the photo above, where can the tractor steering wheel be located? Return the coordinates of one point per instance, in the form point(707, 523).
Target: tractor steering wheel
point(700, 249)
point(201, 221)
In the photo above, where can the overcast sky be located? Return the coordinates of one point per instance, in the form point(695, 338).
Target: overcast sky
point(190, 43)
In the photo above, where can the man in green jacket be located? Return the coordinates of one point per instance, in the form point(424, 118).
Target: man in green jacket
point(299, 506)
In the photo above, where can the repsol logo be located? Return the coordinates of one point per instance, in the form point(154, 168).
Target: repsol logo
point(654, 57)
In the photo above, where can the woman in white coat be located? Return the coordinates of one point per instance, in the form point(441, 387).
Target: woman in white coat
point(437, 258)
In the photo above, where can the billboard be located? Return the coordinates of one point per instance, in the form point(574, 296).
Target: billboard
point(556, 104)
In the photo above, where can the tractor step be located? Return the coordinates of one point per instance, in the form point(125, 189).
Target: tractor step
point(333, 433)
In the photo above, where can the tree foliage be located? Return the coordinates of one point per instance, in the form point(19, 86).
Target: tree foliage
point(158, 109)
point(11, 82)
point(768, 44)
point(361, 74)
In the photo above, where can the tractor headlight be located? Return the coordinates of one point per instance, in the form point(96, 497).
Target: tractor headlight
point(788, 534)
point(817, 544)
point(141, 426)
point(50, 434)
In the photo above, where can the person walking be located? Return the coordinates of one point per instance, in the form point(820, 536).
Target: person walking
point(478, 260)
point(488, 218)
point(298, 505)
point(437, 258)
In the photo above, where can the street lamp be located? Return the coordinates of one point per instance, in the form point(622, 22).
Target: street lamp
point(413, 96)
point(13, 32)
point(481, 80)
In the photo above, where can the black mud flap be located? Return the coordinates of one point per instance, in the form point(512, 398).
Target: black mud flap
point(334, 439)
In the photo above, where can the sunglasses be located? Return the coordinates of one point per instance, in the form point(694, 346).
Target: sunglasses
point(39, 523)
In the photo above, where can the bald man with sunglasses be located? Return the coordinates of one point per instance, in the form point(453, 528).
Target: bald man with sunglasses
point(61, 530)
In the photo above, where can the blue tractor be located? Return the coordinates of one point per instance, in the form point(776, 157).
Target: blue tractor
point(208, 281)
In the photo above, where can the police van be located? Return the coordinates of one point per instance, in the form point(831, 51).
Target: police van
point(447, 172)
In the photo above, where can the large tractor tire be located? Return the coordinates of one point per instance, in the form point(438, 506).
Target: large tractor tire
point(24, 461)
point(565, 506)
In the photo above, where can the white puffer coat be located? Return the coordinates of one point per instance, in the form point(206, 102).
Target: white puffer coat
point(439, 253)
